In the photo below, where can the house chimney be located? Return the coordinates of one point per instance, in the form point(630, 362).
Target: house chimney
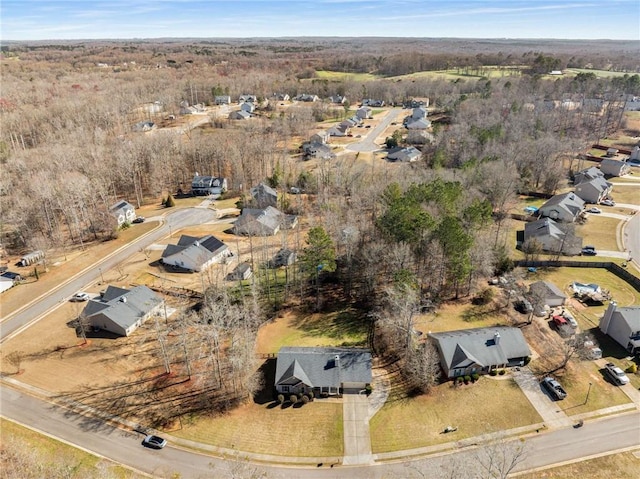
point(606, 317)
point(123, 299)
point(496, 338)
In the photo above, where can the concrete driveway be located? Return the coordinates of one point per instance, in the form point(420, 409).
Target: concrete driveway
point(552, 415)
point(357, 439)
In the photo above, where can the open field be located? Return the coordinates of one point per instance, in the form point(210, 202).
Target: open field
point(489, 405)
point(599, 231)
point(345, 77)
point(262, 428)
point(621, 466)
point(462, 315)
point(598, 73)
point(50, 455)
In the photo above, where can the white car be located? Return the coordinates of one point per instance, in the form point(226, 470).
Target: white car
point(608, 203)
point(616, 374)
point(79, 297)
point(595, 210)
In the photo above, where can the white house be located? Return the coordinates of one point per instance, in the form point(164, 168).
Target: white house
point(614, 167)
point(623, 325)
point(195, 254)
point(123, 212)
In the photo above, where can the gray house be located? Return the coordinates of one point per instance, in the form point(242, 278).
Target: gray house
point(551, 237)
point(263, 222)
point(284, 257)
point(545, 292)
point(565, 207)
point(419, 124)
point(468, 351)
point(239, 115)
point(195, 254)
point(222, 100)
point(240, 272)
point(124, 212)
point(320, 137)
point(248, 107)
point(313, 149)
point(614, 167)
point(306, 97)
point(121, 311)
point(247, 99)
point(208, 185)
point(364, 112)
point(594, 191)
point(587, 174)
point(322, 370)
point(409, 154)
point(263, 196)
point(623, 325)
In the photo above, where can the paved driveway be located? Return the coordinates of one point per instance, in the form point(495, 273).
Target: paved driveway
point(357, 440)
point(552, 415)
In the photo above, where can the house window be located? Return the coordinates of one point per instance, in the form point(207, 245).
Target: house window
point(285, 389)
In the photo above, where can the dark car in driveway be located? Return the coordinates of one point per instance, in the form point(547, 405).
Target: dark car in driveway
point(589, 251)
point(139, 219)
point(154, 442)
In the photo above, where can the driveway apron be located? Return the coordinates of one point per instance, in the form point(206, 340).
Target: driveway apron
point(357, 441)
point(552, 415)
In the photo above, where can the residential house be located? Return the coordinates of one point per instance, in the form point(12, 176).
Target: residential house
point(587, 174)
point(248, 107)
point(612, 167)
point(594, 191)
point(222, 100)
point(284, 257)
point(480, 350)
point(408, 154)
point(622, 325)
point(364, 112)
point(5, 283)
point(262, 222)
point(565, 207)
point(306, 97)
point(240, 272)
point(195, 254)
point(421, 124)
point(263, 196)
point(420, 136)
point(121, 311)
point(337, 99)
point(247, 99)
point(546, 293)
point(632, 103)
point(551, 237)
point(208, 185)
point(320, 137)
point(186, 109)
point(143, 126)
point(323, 371)
point(239, 115)
point(373, 103)
point(418, 113)
point(342, 129)
point(317, 150)
point(280, 97)
point(123, 212)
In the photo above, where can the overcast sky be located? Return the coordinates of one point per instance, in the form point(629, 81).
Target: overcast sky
point(85, 19)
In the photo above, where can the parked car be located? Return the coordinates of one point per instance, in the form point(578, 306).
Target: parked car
point(608, 203)
point(79, 296)
point(594, 210)
point(294, 190)
point(155, 442)
point(570, 319)
point(616, 374)
point(589, 251)
point(553, 387)
point(139, 219)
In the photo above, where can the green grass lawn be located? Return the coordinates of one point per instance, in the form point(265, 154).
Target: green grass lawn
point(486, 406)
point(598, 73)
point(342, 76)
point(41, 453)
point(314, 429)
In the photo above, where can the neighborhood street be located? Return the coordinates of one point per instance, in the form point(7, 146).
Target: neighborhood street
point(18, 320)
point(600, 436)
point(368, 142)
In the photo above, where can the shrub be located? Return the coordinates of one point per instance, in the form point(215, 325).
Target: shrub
point(493, 372)
point(459, 380)
point(475, 377)
point(305, 399)
point(368, 389)
point(527, 360)
point(632, 369)
point(484, 297)
point(280, 398)
point(467, 378)
point(293, 399)
point(501, 372)
point(311, 395)
point(169, 202)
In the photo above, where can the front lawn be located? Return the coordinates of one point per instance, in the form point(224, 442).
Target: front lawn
point(313, 430)
point(619, 465)
point(599, 231)
point(491, 404)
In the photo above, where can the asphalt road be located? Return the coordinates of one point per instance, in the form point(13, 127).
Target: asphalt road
point(18, 320)
point(368, 142)
point(600, 436)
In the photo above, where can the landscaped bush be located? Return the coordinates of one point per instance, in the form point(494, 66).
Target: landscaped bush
point(311, 395)
point(305, 399)
point(467, 379)
point(459, 380)
point(475, 377)
point(280, 398)
point(527, 360)
point(293, 399)
point(501, 372)
point(493, 372)
point(368, 389)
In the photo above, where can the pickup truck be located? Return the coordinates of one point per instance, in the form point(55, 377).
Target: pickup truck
point(616, 374)
point(554, 388)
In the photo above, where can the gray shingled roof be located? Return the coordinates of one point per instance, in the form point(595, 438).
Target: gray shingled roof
point(259, 221)
point(317, 367)
point(139, 301)
point(546, 289)
point(200, 250)
point(464, 347)
point(543, 227)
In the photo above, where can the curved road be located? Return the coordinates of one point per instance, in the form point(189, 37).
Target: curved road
point(598, 437)
point(18, 320)
point(368, 143)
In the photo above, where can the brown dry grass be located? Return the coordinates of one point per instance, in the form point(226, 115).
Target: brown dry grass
point(620, 466)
